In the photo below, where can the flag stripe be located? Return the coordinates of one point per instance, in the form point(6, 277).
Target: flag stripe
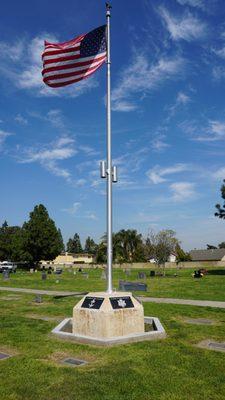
point(75, 70)
point(72, 61)
point(64, 44)
point(75, 75)
point(67, 58)
point(61, 84)
point(61, 51)
point(65, 81)
point(79, 63)
point(61, 55)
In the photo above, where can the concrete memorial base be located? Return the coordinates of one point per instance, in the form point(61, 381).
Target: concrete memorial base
point(106, 319)
point(102, 315)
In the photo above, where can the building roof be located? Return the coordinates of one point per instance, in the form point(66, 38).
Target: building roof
point(207, 255)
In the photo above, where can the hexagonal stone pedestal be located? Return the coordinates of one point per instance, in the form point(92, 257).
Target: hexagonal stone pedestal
point(103, 315)
point(108, 319)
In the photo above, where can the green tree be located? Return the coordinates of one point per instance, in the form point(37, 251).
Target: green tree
point(7, 234)
point(127, 246)
point(221, 245)
point(101, 253)
point(74, 244)
point(211, 247)
point(181, 255)
point(148, 249)
point(163, 243)
point(90, 246)
point(19, 248)
point(61, 240)
point(4, 246)
point(42, 239)
point(221, 209)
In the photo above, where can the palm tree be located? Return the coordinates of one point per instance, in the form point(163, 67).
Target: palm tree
point(127, 246)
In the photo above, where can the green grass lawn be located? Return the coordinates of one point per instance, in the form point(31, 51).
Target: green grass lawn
point(169, 369)
point(184, 286)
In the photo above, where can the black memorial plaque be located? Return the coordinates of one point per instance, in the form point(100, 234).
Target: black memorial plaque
point(121, 302)
point(92, 302)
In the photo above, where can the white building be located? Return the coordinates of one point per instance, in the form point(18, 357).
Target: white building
point(172, 258)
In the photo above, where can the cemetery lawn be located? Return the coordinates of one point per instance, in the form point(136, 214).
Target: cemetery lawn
point(183, 286)
point(169, 369)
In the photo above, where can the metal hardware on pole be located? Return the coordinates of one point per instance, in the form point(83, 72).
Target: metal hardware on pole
point(114, 174)
point(103, 169)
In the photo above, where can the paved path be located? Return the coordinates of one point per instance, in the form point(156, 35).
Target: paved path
point(39, 291)
point(200, 303)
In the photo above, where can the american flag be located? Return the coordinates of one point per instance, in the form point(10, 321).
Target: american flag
point(70, 62)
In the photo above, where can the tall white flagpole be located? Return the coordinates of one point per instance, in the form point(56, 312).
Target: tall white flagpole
point(109, 159)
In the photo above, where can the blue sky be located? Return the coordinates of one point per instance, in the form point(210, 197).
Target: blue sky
point(168, 119)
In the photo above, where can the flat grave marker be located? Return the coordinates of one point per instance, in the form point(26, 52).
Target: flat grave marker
point(38, 299)
point(74, 362)
point(199, 321)
point(212, 345)
point(132, 286)
point(3, 356)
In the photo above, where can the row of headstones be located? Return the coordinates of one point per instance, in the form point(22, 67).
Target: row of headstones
point(141, 274)
point(44, 275)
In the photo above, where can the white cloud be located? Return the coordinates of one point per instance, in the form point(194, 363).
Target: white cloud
point(50, 156)
point(217, 128)
point(55, 117)
point(3, 137)
point(182, 100)
point(140, 77)
point(14, 52)
point(157, 175)
point(90, 215)
point(19, 118)
point(73, 210)
point(186, 27)
point(76, 206)
point(192, 3)
point(25, 72)
point(96, 183)
point(65, 140)
point(219, 174)
point(182, 191)
point(52, 167)
point(158, 144)
point(220, 52)
point(81, 182)
point(213, 131)
point(218, 72)
point(88, 150)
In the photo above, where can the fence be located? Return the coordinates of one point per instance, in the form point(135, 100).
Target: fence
point(148, 265)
